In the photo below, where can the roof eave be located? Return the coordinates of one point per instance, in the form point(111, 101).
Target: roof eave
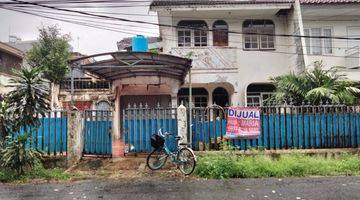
point(11, 50)
point(222, 7)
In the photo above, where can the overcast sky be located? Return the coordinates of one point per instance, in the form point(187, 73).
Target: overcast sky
point(85, 40)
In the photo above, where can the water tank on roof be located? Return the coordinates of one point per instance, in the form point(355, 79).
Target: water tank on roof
point(140, 44)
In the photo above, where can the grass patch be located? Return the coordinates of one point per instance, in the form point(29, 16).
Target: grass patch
point(36, 173)
point(221, 166)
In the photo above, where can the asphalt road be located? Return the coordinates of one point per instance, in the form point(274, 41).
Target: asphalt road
point(289, 188)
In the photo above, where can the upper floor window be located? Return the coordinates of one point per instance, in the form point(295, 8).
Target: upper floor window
point(255, 40)
point(318, 46)
point(192, 33)
point(220, 33)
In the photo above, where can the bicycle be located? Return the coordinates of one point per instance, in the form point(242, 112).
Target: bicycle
point(183, 157)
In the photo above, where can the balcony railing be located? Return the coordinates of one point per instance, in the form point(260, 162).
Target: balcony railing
point(352, 57)
point(208, 57)
point(85, 84)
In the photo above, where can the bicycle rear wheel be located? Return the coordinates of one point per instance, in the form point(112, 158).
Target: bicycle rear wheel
point(187, 161)
point(156, 159)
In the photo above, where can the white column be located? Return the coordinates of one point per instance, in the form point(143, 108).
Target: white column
point(210, 97)
point(116, 118)
point(182, 123)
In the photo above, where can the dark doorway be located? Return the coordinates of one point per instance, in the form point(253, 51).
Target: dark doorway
point(221, 97)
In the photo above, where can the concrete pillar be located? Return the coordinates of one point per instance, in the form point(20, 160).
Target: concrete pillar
point(118, 145)
point(182, 123)
point(116, 119)
point(210, 97)
point(74, 140)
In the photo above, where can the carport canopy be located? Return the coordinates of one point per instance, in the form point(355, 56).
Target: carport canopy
point(119, 65)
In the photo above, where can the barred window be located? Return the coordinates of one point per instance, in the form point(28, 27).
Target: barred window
point(253, 38)
point(192, 33)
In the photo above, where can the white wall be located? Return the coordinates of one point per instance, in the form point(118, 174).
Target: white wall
point(239, 68)
point(231, 64)
point(339, 19)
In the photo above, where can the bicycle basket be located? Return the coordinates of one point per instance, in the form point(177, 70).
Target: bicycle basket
point(157, 141)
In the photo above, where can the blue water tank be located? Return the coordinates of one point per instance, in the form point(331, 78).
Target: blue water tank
point(140, 44)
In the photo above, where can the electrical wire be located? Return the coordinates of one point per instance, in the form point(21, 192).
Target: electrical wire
point(131, 33)
point(173, 26)
point(167, 37)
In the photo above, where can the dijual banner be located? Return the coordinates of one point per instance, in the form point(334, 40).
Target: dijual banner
point(243, 122)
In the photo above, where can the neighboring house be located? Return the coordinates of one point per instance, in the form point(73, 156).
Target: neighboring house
point(10, 59)
point(89, 90)
point(232, 67)
point(126, 44)
point(23, 46)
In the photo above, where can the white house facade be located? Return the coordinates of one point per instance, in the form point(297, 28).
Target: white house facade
point(233, 66)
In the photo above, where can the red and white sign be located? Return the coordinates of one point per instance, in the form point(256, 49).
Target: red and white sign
point(243, 122)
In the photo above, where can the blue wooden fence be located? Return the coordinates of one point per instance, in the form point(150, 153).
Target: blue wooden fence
point(288, 127)
point(97, 133)
point(51, 136)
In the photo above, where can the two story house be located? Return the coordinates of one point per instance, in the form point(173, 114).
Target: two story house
point(11, 59)
point(232, 65)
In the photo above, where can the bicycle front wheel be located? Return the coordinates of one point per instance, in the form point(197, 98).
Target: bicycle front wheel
point(156, 159)
point(187, 161)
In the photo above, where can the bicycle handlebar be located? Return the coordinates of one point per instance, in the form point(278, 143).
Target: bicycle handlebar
point(164, 134)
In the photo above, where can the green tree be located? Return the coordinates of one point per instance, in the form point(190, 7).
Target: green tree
point(15, 156)
point(315, 86)
point(29, 97)
point(51, 54)
point(23, 104)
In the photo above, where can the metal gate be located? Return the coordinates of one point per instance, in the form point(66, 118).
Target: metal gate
point(140, 122)
point(97, 133)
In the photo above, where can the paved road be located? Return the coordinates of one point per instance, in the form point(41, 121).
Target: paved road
point(290, 188)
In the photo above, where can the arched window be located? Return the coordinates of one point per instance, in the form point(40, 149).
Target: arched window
point(221, 97)
point(103, 105)
point(257, 93)
point(220, 33)
point(254, 41)
point(199, 97)
point(192, 33)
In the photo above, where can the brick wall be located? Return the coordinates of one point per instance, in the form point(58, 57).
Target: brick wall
point(9, 62)
point(80, 105)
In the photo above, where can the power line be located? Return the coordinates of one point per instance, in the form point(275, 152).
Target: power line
point(172, 26)
point(168, 37)
point(130, 33)
point(169, 16)
point(81, 16)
